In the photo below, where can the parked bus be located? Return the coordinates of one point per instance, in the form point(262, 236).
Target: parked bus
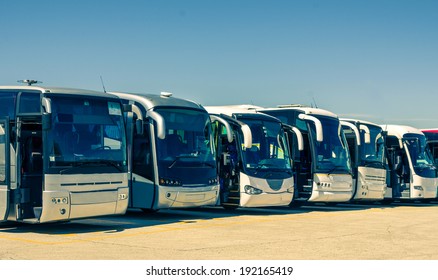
point(62, 154)
point(366, 146)
point(412, 174)
point(323, 170)
point(172, 153)
point(432, 142)
point(254, 167)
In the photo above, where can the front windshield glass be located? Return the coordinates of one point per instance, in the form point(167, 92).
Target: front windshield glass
point(372, 153)
point(186, 155)
point(268, 150)
point(331, 155)
point(420, 155)
point(86, 132)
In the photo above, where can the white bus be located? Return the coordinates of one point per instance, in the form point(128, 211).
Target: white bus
point(367, 152)
point(412, 174)
point(172, 155)
point(323, 170)
point(62, 154)
point(254, 163)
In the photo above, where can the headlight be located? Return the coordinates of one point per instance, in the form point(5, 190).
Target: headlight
point(420, 188)
point(170, 182)
point(252, 190)
point(213, 181)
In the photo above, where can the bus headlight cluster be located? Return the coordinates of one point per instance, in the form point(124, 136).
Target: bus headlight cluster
point(59, 200)
point(170, 182)
point(319, 184)
point(213, 181)
point(252, 190)
point(419, 188)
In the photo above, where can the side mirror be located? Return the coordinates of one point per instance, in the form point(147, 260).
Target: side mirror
point(397, 162)
point(46, 121)
point(139, 127)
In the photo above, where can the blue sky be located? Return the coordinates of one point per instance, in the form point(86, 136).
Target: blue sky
point(375, 60)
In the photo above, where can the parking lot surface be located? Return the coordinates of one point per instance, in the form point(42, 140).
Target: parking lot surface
point(315, 232)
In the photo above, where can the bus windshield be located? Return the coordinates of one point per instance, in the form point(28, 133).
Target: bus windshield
point(372, 153)
point(420, 155)
point(331, 155)
point(268, 150)
point(86, 132)
point(188, 144)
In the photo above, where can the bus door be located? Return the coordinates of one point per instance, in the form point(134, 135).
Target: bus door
point(5, 157)
point(143, 169)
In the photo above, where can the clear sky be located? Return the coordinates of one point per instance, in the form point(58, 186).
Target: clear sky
point(374, 60)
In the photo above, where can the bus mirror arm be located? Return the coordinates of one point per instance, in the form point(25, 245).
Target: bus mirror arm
point(46, 117)
point(247, 136)
point(226, 124)
point(136, 110)
point(355, 130)
point(367, 133)
point(47, 105)
point(161, 125)
point(318, 125)
point(139, 122)
point(298, 134)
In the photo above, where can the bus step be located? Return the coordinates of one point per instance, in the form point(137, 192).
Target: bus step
point(230, 204)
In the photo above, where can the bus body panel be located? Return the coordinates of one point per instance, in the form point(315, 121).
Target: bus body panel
point(331, 188)
point(269, 197)
point(50, 179)
point(5, 170)
point(371, 184)
point(184, 197)
point(412, 169)
point(168, 168)
point(428, 187)
point(142, 192)
point(68, 196)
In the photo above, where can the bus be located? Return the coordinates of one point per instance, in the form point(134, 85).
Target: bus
point(322, 169)
point(62, 154)
point(412, 174)
point(171, 153)
point(254, 165)
point(367, 153)
point(432, 142)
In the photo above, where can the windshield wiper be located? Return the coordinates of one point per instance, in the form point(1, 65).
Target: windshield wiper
point(88, 163)
point(337, 167)
point(373, 164)
point(177, 158)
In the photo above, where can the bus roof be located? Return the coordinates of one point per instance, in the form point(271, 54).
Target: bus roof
point(360, 121)
point(59, 90)
point(430, 130)
point(400, 130)
point(302, 108)
point(149, 101)
point(240, 111)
